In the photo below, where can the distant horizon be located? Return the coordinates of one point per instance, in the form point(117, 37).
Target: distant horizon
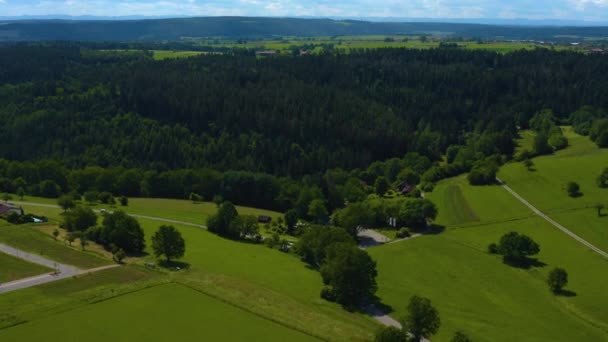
point(483, 21)
point(581, 11)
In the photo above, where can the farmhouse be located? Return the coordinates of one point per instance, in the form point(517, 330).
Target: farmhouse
point(7, 209)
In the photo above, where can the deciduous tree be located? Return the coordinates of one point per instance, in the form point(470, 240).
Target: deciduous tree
point(168, 242)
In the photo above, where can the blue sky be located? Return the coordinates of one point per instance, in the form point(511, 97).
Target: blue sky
point(506, 9)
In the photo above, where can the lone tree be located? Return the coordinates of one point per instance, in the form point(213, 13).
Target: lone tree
point(66, 202)
point(350, 273)
point(529, 164)
point(573, 189)
point(422, 319)
point(225, 221)
point(558, 278)
point(55, 234)
point(515, 247)
point(168, 242)
point(390, 334)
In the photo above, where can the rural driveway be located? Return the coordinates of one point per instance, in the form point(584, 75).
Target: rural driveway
point(64, 271)
point(553, 222)
point(152, 218)
point(370, 238)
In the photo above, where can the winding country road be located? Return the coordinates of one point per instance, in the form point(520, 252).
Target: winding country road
point(62, 271)
point(551, 221)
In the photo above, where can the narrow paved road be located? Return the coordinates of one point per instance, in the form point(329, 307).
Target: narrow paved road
point(62, 271)
point(553, 222)
point(152, 218)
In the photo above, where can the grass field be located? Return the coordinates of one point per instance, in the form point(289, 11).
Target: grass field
point(29, 239)
point(271, 283)
point(581, 162)
point(166, 312)
point(12, 268)
point(267, 282)
point(478, 294)
point(46, 300)
point(162, 54)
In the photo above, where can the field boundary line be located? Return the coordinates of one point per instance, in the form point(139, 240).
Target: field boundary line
point(552, 221)
point(225, 301)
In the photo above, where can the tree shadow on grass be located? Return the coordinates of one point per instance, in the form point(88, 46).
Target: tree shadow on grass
point(433, 229)
point(565, 293)
point(174, 265)
point(523, 263)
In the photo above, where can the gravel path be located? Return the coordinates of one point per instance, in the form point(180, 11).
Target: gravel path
point(553, 222)
point(62, 271)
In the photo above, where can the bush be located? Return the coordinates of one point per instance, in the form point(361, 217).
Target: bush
point(493, 248)
point(483, 174)
point(404, 233)
point(124, 201)
point(328, 293)
point(515, 247)
point(558, 278)
point(427, 187)
point(573, 189)
point(558, 142)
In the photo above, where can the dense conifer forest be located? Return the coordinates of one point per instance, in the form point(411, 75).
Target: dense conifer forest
point(273, 131)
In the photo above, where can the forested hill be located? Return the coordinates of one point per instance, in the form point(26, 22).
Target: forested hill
point(284, 115)
point(250, 27)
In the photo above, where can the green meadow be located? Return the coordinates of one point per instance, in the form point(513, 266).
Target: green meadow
point(266, 282)
point(164, 313)
point(163, 54)
point(581, 162)
point(12, 268)
point(475, 291)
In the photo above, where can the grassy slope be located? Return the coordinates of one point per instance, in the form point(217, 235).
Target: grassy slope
point(284, 287)
point(475, 292)
point(166, 311)
point(582, 162)
point(29, 239)
point(12, 268)
point(268, 282)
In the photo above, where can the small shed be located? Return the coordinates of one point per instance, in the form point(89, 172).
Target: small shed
point(264, 219)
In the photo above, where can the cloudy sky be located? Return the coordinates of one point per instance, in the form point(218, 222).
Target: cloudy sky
point(506, 9)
